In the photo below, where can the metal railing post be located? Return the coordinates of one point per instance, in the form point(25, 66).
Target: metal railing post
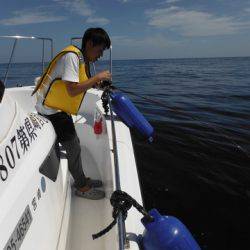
point(43, 58)
point(8, 67)
point(110, 61)
point(52, 49)
point(28, 37)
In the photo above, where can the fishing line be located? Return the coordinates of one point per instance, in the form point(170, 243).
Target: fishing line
point(218, 130)
point(159, 103)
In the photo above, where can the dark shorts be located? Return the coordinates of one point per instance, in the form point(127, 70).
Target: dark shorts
point(66, 135)
point(64, 126)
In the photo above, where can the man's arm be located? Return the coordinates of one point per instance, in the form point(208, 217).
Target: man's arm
point(75, 89)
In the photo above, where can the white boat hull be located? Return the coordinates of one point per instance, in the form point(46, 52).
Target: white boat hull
point(61, 220)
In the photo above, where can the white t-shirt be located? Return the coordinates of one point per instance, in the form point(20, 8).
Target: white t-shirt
point(67, 68)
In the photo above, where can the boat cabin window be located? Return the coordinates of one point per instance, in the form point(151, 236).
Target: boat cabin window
point(50, 166)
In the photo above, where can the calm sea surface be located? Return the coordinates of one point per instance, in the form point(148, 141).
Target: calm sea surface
point(198, 167)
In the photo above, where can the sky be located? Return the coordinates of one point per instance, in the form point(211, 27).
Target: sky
point(138, 29)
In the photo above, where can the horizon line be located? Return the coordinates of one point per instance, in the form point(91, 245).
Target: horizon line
point(138, 59)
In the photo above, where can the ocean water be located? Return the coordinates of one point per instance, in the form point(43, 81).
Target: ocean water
point(198, 167)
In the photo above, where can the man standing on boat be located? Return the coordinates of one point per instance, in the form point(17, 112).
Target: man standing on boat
point(61, 90)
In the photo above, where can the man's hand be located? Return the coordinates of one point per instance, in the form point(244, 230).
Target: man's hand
point(104, 75)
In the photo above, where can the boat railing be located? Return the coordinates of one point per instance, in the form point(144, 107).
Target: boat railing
point(72, 39)
point(16, 38)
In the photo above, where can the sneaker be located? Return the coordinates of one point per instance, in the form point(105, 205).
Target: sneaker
point(94, 183)
point(91, 194)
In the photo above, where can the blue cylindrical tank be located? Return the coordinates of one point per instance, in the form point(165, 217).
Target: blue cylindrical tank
point(166, 233)
point(130, 115)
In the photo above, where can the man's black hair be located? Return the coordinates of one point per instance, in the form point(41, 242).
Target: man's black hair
point(97, 36)
point(2, 88)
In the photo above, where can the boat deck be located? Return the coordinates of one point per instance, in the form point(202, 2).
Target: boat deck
point(87, 218)
point(87, 215)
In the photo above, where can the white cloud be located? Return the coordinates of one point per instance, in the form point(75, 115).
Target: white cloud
point(171, 1)
point(81, 8)
point(30, 16)
point(123, 1)
point(157, 40)
point(247, 10)
point(194, 23)
point(97, 20)
point(156, 46)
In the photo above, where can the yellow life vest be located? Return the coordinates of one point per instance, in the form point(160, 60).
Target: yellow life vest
point(57, 96)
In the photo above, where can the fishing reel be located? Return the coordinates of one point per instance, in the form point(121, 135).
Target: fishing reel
point(107, 90)
point(106, 83)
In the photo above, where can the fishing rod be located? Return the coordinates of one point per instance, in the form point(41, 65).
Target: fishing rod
point(121, 225)
point(106, 99)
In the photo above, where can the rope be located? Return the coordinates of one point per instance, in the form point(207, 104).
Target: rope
point(121, 203)
point(105, 230)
